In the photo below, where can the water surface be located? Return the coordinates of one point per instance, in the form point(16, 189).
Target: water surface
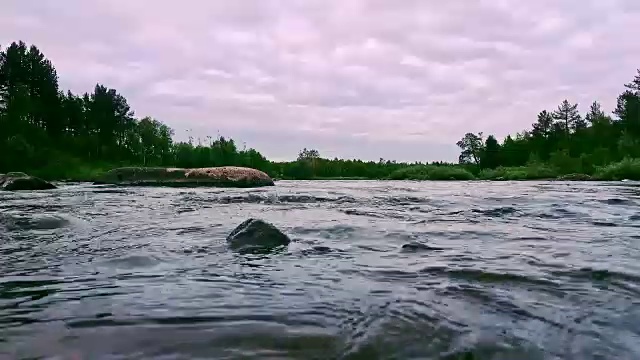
point(376, 270)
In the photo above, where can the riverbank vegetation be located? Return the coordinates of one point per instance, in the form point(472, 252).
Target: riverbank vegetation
point(56, 134)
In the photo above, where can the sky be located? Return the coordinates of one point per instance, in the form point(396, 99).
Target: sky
point(369, 79)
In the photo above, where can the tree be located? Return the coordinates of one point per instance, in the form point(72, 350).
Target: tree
point(567, 114)
point(595, 113)
point(42, 83)
point(634, 85)
point(579, 124)
point(471, 145)
point(3, 85)
point(307, 163)
point(490, 155)
point(628, 106)
point(307, 155)
point(543, 126)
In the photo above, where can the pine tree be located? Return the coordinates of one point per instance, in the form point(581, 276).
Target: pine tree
point(628, 107)
point(543, 126)
point(567, 114)
point(595, 113)
point(490, 154)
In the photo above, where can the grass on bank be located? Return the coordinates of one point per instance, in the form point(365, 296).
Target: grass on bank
point(625, 169)
point(532, 172)
point(65, 168)
point(72, 169)
point(431, 172)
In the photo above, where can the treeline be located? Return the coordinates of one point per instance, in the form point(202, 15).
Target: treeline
point(56, 134)
point(563, 141)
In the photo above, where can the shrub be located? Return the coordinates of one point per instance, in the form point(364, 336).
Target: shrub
point(431, 172)
point(537, 172)
point(574, 177)
point(625, 169)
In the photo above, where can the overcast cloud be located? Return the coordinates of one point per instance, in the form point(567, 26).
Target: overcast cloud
point(352, 78)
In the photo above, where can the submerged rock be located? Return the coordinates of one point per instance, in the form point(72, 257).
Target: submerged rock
point(255, 234)
point(21, 181)
point(416, 246)
point(225, 176)
point(32, 222)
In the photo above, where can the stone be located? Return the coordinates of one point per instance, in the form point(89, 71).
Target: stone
point(231, 175)
point(20, 181)
point(416, 246)
point(225, 176)
point(256, 234)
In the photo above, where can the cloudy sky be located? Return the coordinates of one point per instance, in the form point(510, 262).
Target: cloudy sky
point(399, 79)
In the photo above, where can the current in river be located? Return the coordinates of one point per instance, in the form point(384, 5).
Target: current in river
point(375, 270)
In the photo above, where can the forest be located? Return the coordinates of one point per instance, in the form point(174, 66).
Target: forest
point(59, 135)
point(565, 143)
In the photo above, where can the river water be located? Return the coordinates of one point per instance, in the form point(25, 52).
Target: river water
point(375, 270)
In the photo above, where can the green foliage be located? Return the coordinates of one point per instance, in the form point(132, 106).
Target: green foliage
point(472, 147)
point(625, 169)
point(567, 115)
point(490, 153)
point(575, 177)
point(431, 172)
point(563, 163)
point(519, 173)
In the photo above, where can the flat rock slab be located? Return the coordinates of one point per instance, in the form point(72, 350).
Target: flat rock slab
point(225, 176)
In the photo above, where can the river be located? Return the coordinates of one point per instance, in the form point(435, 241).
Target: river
point(375, 270)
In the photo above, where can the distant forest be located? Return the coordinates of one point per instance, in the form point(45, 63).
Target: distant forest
point(565, 140)
point(60, 135)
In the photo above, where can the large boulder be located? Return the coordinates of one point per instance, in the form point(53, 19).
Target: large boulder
point(256, 235)
point(21, 181)
point(225, 176)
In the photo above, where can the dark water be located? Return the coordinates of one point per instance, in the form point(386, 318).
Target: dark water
point(377, 270)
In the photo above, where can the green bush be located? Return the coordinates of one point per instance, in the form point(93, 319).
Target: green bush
point(564, 164)
point(625, 169)
point(62, 166)
point(431, 172)
point(575, 177)
point(519, 173)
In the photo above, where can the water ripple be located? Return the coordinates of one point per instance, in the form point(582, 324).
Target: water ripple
point(376, 270)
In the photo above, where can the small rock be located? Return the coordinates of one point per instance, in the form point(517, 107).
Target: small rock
point(21, 181)
point(322, 249)
point(255, 234)
point(415, 246)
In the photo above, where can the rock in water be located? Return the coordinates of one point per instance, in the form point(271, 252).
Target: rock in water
point(255, 234)
point(416, 246)
point(224, 176)
point(234, 176)
point(21, 181)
